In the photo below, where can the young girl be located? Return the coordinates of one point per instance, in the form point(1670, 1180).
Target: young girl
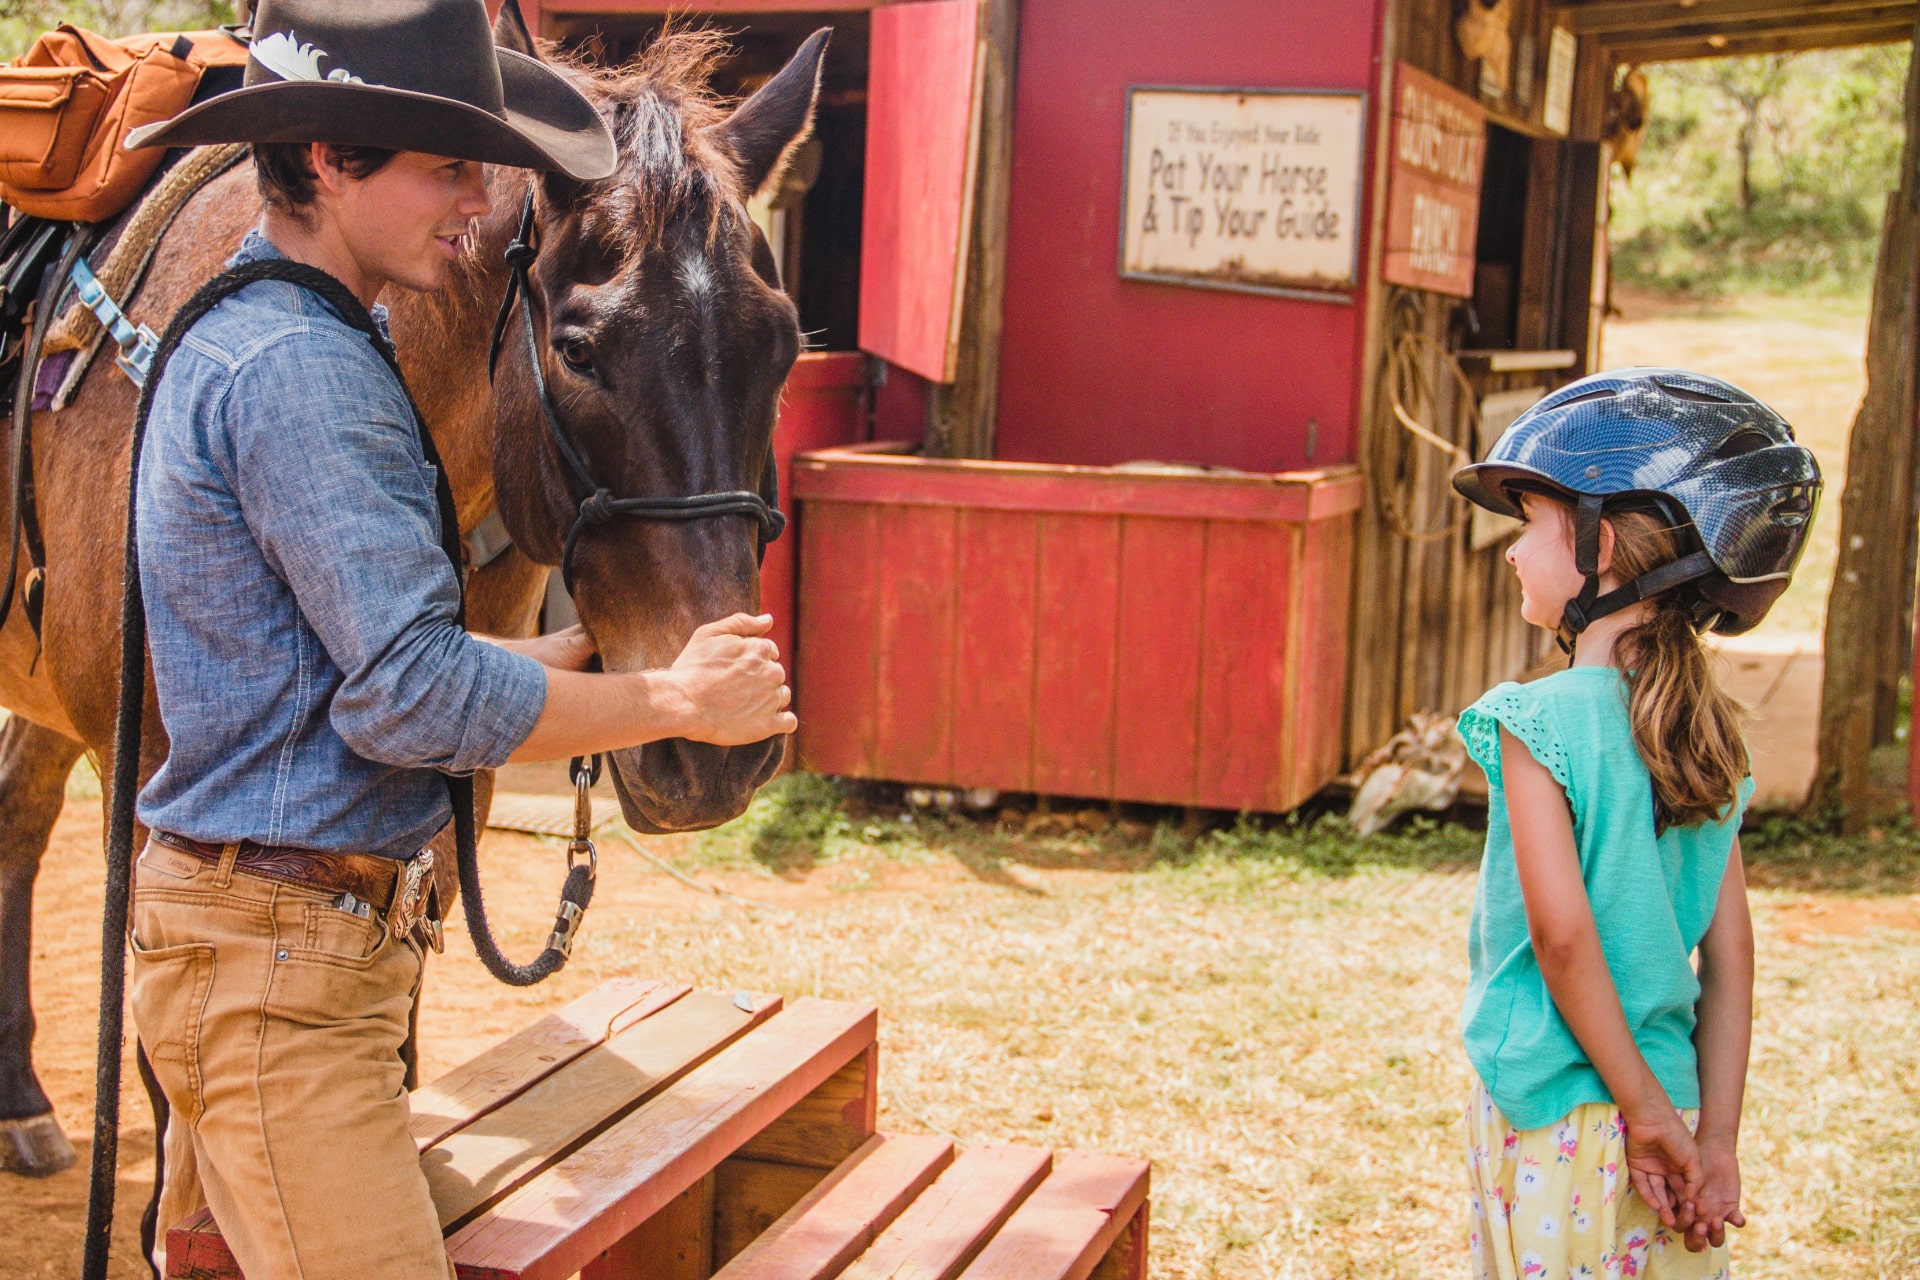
point(1657, 504)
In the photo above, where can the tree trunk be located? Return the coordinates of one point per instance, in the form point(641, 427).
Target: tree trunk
point(1746, 164)
point(1868, 630)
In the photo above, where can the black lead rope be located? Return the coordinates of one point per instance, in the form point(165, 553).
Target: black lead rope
point(575, 896)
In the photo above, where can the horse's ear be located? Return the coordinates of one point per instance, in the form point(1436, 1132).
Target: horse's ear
point(763, 131)
point(510, 30)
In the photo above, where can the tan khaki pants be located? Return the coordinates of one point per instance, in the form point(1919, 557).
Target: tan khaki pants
point(274, 1022)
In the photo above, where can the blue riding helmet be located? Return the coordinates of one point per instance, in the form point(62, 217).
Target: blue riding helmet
point(1718, 464)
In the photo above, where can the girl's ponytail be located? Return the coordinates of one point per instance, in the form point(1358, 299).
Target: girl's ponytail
point(1685, 726)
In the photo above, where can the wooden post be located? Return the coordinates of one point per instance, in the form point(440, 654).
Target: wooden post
point(960, 415)
point(1372, 666)
point(1867, 624)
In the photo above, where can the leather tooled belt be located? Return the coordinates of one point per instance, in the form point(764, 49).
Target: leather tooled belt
point(403, 891)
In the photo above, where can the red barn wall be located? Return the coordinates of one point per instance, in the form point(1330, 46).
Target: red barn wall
point(1096, 369)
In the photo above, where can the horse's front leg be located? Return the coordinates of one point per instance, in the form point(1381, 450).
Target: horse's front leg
point(34, 764)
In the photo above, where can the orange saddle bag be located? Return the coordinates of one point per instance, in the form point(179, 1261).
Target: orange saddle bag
point(66, 104)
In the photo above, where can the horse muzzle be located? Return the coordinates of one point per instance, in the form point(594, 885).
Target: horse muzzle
point(677, 785)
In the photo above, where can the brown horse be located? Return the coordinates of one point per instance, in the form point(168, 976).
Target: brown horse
point(664, 340)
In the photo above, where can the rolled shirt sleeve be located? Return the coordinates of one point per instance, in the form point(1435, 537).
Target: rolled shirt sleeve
point(341, 502)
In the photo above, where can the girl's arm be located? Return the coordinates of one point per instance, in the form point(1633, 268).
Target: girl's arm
point(1661, 1156)
point(1720, 1037)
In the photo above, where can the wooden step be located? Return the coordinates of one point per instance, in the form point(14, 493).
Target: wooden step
point(482, 1162)
point(491, 1126)
point(563, 1218)
point(1091, 1210)
point(482, 1083)
point(195, 1249)
point(937, 1235)
point(646, 1130)
point(835, 1222)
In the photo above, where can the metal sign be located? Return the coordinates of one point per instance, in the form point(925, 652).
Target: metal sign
point(1252, 189)
point(1433, 184)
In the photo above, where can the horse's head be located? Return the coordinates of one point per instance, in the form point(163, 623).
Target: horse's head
point(664, 339)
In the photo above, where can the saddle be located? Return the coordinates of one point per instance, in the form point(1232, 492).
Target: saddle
point(73, 197)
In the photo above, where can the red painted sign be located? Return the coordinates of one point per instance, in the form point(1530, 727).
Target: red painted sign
point(1433, 187)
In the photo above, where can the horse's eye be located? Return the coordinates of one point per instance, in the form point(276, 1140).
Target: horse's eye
point(578, 353)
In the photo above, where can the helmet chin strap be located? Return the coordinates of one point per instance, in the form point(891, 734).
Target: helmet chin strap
point(1590, 606)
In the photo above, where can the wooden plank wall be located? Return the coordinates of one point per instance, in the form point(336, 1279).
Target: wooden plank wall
point(1058, 632)
point(1436, 623)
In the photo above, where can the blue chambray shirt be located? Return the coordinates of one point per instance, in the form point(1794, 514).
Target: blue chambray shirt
point(300, 610)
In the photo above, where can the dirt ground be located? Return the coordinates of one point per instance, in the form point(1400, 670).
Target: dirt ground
point(1282, 1044)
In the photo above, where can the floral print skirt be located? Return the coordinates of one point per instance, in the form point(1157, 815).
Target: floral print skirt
point(1556, 1204)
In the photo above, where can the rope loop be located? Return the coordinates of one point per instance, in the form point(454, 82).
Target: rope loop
point(597, 507)
point(520, 255)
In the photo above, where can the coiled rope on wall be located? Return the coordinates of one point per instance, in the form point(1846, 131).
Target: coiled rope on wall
point(1408, 392)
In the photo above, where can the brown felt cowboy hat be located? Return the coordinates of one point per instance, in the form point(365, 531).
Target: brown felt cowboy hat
point(410, 75)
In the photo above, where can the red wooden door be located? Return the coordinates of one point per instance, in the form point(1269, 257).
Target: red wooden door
point(923, 123)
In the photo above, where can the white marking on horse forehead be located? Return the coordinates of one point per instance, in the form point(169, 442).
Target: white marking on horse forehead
point(695, 273)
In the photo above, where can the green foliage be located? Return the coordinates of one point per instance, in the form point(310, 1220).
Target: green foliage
point(1809, 852)
point(1821, 135)
point(794, 823)
point(22, 21)
point(1326, 845)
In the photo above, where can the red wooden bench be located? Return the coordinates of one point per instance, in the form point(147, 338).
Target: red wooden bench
point(648, 1129)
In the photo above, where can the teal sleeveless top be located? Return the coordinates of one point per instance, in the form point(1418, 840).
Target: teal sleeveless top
point(1653, 897)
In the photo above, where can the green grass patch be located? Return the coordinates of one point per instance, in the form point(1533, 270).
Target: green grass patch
point(1811, 853)
point(801, 821)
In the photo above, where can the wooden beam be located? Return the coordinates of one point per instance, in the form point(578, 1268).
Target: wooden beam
point(829, 1124)
point(1371, 619)
point(1785, 40)
point(1608, 17)
point(961, 415)
point(1685, 25)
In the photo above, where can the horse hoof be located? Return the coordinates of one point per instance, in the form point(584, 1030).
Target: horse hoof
point(34, 1147)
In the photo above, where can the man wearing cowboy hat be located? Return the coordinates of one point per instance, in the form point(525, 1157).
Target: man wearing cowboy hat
point(302, 622)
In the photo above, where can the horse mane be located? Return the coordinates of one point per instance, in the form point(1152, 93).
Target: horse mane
point(660, 105)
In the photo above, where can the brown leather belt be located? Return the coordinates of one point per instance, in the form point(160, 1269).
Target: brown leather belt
point(402, 891)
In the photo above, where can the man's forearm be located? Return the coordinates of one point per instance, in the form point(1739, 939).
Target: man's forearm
point(586, 712)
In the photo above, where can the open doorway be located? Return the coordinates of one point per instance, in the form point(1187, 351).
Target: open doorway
point(1746, 210)
point(812, 221)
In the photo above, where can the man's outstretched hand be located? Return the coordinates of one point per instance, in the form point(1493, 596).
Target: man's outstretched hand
point(728, 684)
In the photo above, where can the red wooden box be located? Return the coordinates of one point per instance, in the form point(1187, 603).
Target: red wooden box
point(1157, 635)
point(821, 405)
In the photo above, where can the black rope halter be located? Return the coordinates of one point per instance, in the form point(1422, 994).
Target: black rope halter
point(599, 506)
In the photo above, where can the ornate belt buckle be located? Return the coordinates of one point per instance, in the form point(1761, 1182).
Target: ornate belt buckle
point(410, 903)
